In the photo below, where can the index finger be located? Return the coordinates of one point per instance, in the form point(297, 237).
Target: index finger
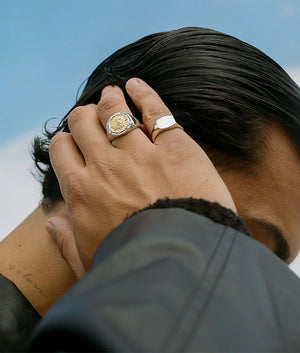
point(152, 108)
point(66, 159)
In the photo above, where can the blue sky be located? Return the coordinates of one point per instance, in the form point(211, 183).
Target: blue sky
point(49, 47)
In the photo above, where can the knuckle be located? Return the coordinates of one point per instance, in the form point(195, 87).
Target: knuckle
point(177, 150)
point(144, 93)
point(76, 113)
point(154, 107)
point(109, 103)
point(156, 112)
point(56, 141)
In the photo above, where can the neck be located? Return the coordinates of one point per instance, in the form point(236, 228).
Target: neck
point(30, 258)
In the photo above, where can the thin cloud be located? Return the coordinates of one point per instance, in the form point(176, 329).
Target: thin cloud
point(19, 192)
point(294, 72)
point(288, 10)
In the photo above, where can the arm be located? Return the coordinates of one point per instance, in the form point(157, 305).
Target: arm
point(173, 280)
point(164, 279)
point(31, 260)
point(33, 276)
point(124, 175)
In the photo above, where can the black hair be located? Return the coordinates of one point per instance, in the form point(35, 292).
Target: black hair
point(224, 92)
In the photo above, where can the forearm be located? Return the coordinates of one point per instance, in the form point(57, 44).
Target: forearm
point(172, 280)
point(31, 260)
point(143, 255)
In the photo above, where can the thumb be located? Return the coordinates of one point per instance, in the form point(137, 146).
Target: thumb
point(60, 229)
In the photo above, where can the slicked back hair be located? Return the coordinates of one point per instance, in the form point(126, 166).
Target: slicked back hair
point(224, 92)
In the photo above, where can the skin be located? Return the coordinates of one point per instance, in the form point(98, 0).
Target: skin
point(269, 194)
point(272, 193)
point(30, 258)
point(96, 174)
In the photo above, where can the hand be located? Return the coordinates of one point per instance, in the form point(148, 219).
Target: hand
point(60, 229)
point(104, 182)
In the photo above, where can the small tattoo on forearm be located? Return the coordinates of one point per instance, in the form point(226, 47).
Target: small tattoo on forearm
point(26, 277)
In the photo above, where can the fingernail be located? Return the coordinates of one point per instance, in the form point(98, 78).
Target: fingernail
point(133, 84)
point(50, 229)
point(106, 90)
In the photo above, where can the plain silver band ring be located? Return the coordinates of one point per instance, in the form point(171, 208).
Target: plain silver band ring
point(164, 122)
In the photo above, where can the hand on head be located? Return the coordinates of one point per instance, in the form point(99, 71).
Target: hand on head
point(105, 178)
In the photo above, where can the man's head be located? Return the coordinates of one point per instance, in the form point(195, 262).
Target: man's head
point(232, 99)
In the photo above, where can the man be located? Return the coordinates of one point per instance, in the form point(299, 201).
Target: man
point(180, 276)
point(230, 98)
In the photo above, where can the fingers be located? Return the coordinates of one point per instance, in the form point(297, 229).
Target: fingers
point(87, 131)
point(152, 108)
point(60, 229)
point(65, 156)
point(113, 101)
point(90, 136)
point(88, 123)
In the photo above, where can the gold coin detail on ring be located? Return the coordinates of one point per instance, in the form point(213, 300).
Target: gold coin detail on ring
point(119, 123)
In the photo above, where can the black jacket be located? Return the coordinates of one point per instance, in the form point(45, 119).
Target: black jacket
point(170, 280)
point(18, 317)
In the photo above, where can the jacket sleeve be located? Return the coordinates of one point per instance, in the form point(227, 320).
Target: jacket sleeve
point(18, 317)
point(171, 280)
